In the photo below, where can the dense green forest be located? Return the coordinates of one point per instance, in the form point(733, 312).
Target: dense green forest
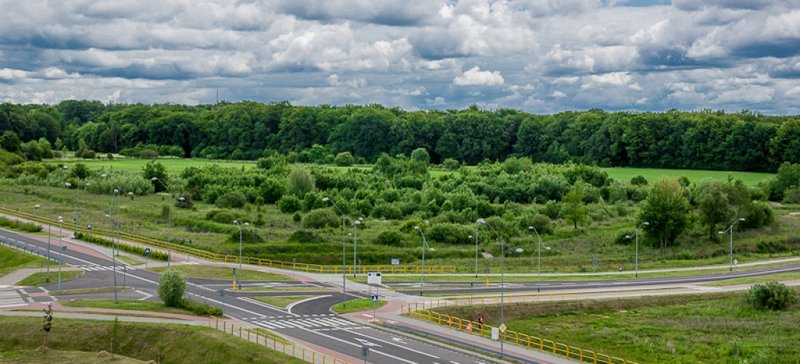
point(716, 140)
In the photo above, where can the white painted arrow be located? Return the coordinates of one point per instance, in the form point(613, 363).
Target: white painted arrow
point(366, 343)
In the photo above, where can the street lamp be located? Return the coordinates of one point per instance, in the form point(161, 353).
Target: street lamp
point(169, 220)
point(239, 272)
point(502, 278)
point(539, 260)
point(113, 254)
point(425, 246)
point(49, 225)
point(60, 249)
point(344, 263)
point(355, 243)
point(476, 251)
point(730, 228)
point(645, 223)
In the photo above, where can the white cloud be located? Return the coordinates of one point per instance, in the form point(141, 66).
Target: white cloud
point(475, 77)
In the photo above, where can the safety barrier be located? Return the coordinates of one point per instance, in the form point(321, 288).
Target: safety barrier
point(531, 342)
point(274, 342)
point(164, 247)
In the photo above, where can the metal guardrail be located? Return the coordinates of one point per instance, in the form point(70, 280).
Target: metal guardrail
point(275, 343)
point(164, 247)
point(530, 342)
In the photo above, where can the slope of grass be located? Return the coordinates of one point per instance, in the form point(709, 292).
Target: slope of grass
point(61, 357)
point(42, 278)
point(223, 273)
point(12, 259)
point(169, 343)
point(361, 304)
point(137, 305)
point(711, 328)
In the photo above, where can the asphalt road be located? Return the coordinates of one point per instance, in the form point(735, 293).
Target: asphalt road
point(324, 329)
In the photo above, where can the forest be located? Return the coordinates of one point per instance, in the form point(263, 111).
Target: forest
point(712, 140)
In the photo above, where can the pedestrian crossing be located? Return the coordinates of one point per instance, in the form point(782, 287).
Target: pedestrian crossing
point(9, 297)
point(314, 323)
point(97, 268)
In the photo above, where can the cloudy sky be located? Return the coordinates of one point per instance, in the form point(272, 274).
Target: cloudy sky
point(540, 56)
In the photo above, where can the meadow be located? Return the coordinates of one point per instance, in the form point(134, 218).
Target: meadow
point(572, 250)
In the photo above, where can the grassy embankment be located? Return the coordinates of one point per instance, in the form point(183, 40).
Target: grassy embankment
point(572, 250)
point(708, 328)
point(169, 343)
point(42, 278)
point(152, 306)
point(62, 357)
point(361, 304)
point(12, 259)
point(223, 273)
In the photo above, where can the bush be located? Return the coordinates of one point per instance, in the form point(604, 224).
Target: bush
point(387, 211)
point(16, 225)
point(771, 296)
point(124, 247)
point(223, 216)
point(450, 163)
point(171, 287)
point(792, 195)
point(201, 308)
point(344, 159)
point(184, 201)
point(305, 236)
point(232, 199)
point(639, 181)
point(288, 204)
point(85, 154)
point(450, 233)
point(320, 218)
point(540, 222)
point(390, 238)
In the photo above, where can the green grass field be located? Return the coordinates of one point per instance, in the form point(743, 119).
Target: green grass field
point(654, 174)
point(361, 304)
point(754, 280)
point(711, 328)
point(223, 273)
point(163, 343)
point(61, 357)
point(12, 259)
point(172, 165)
point(135, 305)
point(42, 278)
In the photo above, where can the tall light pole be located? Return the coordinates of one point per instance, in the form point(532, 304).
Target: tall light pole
point(502, 278)
point(645, 223)
point(476, 251)
point(730, 228)
point(60, 249)
point(344, 261)
point(49, 226)
point(239, 272)
point(169, 220)
point(355, 243)
point(539, 253)
point(113, 254)
point(425, 247)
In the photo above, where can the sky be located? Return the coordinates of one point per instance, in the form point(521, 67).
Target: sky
point(540, 56)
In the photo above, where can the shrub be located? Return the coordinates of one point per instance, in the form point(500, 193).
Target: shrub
point(450, 163)
point(171, 287)
point(540, 222)
point(344, 159)
point(288, 204)
point(552, 209)
point(201, 308)
point(184, 201)
point(271, 190)
point(138, 250)
point(792, 195)
point(391, 238)
point(387, 211)
point(771, 296)
point(304, 236)
point(300, 182)
point(231, 199)
point(316, 219)
point(639, 181)
point(17, 225)
point(223, 216)
point(450, 233)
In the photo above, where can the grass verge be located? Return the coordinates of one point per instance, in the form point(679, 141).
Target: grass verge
point(42, 278)
point(222, 273)
point(717, 328)
point(361, 304)
point(753, 280)
point(13, 259)
point(91, 290)
point(62, 357)
point(129, 260)
point(136, 305)
point(280, 301)
point(159, 342)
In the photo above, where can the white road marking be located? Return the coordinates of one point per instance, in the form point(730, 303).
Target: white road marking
point(291, 306)
point(393, 344)
point(358, 346)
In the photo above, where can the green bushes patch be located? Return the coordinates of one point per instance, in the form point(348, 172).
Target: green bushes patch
point(17, 225)
point(771, 296)
point(125, 247)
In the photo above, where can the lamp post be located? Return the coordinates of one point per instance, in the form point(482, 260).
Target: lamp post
point(539, 253)
point(60, 249)
point(169, 220)
point(113, 254)
point(344, 262)
point(502, 278)
point(730, 228)
point(239, 272)
point(645, 223)
point(355, 243)
point(425, 246)
point(476, 251)
point(49, 225)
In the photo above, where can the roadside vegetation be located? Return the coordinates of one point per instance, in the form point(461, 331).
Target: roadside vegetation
point(13, 259)
point(357, 305)
point(171, 288)
point(223, 273)
point(164, 343)
point(676, 329)
point(135, 305)
point(42, 278)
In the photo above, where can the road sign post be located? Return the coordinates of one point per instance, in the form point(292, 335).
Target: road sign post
point(146, 254)
point(234, 278)
point(365, 352)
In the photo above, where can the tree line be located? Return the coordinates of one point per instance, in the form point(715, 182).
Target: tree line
point(743, 141)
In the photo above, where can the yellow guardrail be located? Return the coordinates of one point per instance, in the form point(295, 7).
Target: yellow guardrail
point(164, 246)
point(275, 343)
point(531, 342)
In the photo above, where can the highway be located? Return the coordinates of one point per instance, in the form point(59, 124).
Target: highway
point(312, 323)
